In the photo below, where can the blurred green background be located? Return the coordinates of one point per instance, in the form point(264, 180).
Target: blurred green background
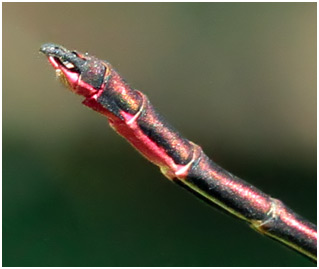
point(239, 79)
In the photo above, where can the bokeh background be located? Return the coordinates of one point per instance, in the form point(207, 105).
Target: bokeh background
point(239, 79)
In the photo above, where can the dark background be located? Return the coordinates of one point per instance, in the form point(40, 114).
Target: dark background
point(239, 79)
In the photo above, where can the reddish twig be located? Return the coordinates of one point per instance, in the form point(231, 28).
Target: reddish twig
point(131, 114)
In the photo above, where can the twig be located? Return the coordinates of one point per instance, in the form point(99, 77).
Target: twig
point(131, 114)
